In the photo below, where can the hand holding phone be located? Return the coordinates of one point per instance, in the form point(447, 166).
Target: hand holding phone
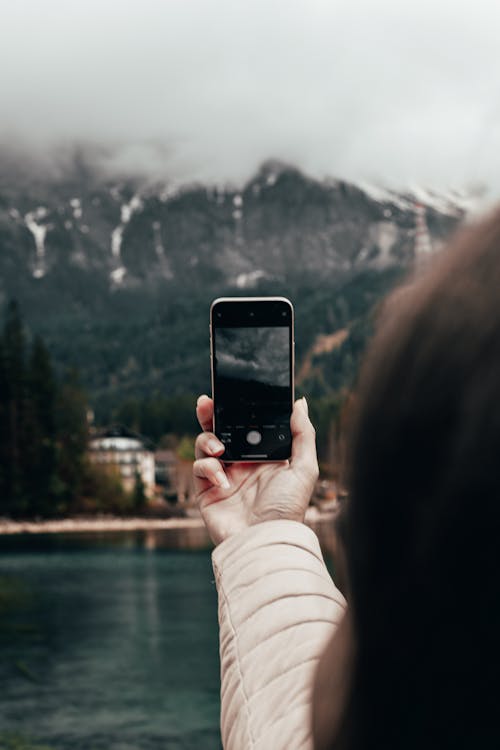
point(234, 496)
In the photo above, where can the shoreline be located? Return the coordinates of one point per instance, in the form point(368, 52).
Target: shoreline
point(107, 524)
point(113, 523)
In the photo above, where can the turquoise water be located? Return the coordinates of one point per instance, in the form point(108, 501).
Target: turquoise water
point(108, 642)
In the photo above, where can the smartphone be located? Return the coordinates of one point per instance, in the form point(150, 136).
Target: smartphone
point(252, 358)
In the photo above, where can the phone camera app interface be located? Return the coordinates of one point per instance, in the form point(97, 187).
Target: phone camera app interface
point(253, 385)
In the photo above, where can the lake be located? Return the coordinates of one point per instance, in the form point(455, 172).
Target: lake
point(107, 641)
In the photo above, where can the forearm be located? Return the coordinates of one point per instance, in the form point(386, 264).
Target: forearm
point(278, 607)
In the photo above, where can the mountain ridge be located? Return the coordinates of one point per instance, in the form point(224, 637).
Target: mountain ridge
point(118, 274)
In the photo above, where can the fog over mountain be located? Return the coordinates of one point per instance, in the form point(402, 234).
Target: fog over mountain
point(188, 90)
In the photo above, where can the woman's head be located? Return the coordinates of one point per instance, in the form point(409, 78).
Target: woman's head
point(423, 525)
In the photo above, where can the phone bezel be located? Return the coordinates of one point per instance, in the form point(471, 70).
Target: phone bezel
point(290, 324)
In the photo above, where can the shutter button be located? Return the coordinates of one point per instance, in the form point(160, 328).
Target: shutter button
point(254, 437)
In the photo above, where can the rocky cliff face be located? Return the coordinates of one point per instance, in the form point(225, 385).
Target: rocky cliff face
point(113, 272)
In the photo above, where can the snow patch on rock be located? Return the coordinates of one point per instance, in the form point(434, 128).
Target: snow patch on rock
point(386, 235)
point(118, 275)
point(39, 232)
point(169, 192)
point(250, 279)
point(126, 212)
point(165, 268)
point(77, 208)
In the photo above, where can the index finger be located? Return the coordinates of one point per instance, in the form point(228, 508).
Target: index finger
point(205, 412)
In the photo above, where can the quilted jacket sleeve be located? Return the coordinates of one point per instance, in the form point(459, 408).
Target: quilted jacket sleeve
point(278, 607)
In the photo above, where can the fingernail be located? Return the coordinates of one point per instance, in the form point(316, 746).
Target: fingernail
point(203, 395)
point(304, 401)
point(214, 446)
point(222, 480)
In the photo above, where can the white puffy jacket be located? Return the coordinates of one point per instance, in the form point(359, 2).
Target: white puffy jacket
point(278, 608)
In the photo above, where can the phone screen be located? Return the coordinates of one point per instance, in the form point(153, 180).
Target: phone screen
point(252, 345)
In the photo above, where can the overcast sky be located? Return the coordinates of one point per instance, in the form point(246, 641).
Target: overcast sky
point(383, 90)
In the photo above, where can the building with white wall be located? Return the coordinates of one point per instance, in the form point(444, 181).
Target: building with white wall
point(129, 453)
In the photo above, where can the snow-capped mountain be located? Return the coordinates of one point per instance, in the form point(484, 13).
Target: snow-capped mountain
point(79, 251)
point(280, 222)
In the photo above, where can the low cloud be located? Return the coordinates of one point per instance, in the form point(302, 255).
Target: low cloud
point(190, 89)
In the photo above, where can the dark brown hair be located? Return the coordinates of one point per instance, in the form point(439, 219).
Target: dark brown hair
point(423, 522)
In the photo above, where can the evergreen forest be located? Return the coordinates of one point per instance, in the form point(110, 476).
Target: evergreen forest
point(44, 467)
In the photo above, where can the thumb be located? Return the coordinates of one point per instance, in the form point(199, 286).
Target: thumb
point(304, 457)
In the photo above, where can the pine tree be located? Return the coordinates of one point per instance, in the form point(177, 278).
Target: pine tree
point(43, 428)
point(40, 463)
point(14, 410)
point(72, 437)
point(139, 499)
point(4, 435)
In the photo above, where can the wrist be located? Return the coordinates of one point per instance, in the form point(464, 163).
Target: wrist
point(277, 514)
